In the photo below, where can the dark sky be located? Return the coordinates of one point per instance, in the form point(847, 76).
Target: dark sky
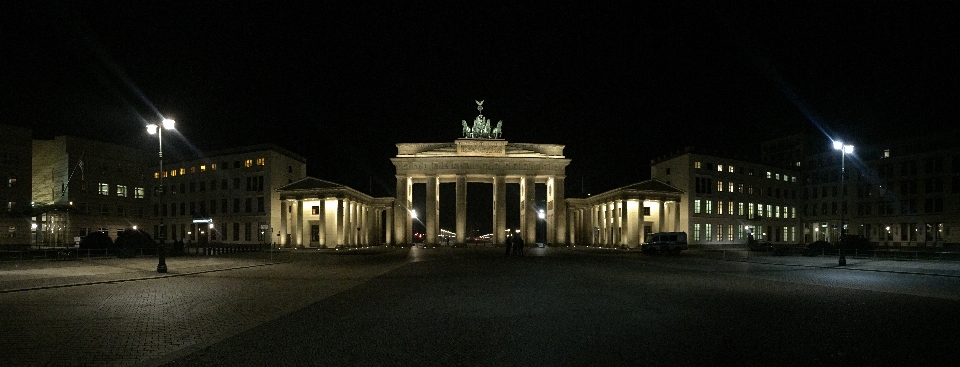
point(341, 84)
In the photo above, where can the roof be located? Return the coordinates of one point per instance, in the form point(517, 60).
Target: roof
point(310, 183)
point(651, 185)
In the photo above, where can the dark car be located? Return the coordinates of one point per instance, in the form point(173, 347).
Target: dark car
point(818, 248)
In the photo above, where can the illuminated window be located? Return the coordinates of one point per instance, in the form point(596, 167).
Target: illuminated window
point(708, 231)
point(740, 231)
point(696, 206)
point(740, 209)
point(719, 186)
point(793, 179)
point(261, 161)
point(696, 165)
point(213, 166)
point(719, 232)
point(203, 168)
point(11, 181)
point(709, 207)
point(730, 187)
point(750, 210)
point(122, 191)
point(193, 169)
point(768, 174)
point(696, 231)
point(719, 168)
point(138, 192)
point(156, 175)
point(720, 207)
point(740, 188)
point(183, 171)
point(104, 188)
point(173, 173)
point(777, 176)
point(730, 169)
point(730, 208)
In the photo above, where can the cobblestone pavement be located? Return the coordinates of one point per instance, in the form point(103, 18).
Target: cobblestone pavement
point(127, 314)
point(209, 310)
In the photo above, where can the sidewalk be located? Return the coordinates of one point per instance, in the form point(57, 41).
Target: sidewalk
point(18, 276)
point(945, 268)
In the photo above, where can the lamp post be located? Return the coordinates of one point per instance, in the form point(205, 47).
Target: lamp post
point(844, 150)
point(166, 124)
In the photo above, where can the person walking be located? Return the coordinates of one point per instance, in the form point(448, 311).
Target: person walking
point(518, 244)
point(508, 244)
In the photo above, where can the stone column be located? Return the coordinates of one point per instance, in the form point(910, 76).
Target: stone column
point(401, 211)
point(642, 225)
point(298, 227)
point(619, 218)
point(330, 222)
point(388, 222)
point(557, 213)
point(499, 209)
point(283, 222)
point(662, 215)
point(528, 210)
point(631, 218)
point(322, 222)
point(603, 224)
point(432, 211)
point(676, 217)
point(341, 213)
point(461, 208)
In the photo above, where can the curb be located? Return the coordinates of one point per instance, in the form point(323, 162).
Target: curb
point(4, 291)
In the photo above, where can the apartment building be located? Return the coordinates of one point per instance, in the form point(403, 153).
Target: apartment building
point(226, 196)
point(904, 193)
point(726, 201)
point(81, 185)
point(16, 149)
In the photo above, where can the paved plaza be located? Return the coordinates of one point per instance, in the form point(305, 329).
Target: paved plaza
point(475, 306)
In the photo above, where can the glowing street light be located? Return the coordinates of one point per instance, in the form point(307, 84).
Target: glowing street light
point(844, 150)
point(167, 124)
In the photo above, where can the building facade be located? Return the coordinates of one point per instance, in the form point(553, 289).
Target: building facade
point(227, 196)
point(16, 150)
point(725, 201)
point(904, 194)
point(322, 214)
point(625, 216)
point(80, 186)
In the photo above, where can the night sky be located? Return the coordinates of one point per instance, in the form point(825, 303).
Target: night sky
point(618, 84)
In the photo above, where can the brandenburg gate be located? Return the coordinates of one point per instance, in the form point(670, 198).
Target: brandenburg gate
point(480, 156)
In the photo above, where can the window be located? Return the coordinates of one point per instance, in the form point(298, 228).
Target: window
point(213, 185)
point(213, 207)
point(730, 208)
point(260, 205)
point(730, 169)
point(768, 174)
point(104, 209)
point(248, 205)
point(730, 187)
point(719, 168)
point(138, 192)
point(646, 211)
point(719, 232)
point(236, 231)
point(104, 188)
point(668, 171)
point(719, 186)
point(193, 169)
point(730, 232)
point(708, 231)
point(236, 205)
point(11, 181)
point(696, 231)
point(740, 188)
point(709, 207)
point(173, 173)
point(315, 210)
point(121, 210)
point(11, 205)
point(314, 233)
point(720, 207)
point(122, 191)
point(247, 231)
point(696, 165)
point(261, 161)
point(213, 166)
point(183, 171)
point(248, 163)
point(203, 168)
point(740, 209)
point(696, 206)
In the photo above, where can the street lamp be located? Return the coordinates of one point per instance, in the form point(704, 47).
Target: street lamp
point(844, 150)
point(167, 124)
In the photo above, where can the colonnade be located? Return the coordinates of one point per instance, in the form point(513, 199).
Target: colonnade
point(621, 221)
point(335, 221)
point(554, 212)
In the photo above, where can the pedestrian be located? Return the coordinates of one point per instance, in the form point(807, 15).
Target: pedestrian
point(508, 244)
point(518, 244)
